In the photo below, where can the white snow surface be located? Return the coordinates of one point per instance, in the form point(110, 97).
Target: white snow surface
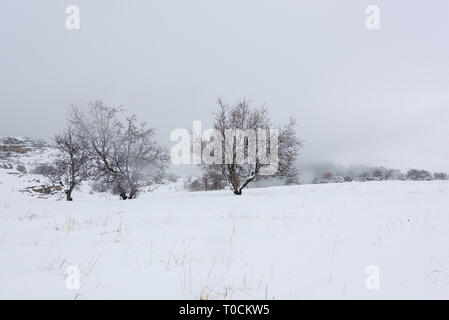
point(296, 242)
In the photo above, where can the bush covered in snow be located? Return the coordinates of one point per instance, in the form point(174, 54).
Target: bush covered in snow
point(420, 175)
point(440, 176)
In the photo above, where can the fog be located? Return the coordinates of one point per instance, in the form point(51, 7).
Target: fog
point(373, 97)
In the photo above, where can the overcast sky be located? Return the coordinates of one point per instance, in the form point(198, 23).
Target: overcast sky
point(360, 97)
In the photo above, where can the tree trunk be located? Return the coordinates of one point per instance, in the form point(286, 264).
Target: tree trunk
point(235, 184)
point(69, 194)
point(123, 196)
point(133, 194)
point(122, 192)
point(243, 186)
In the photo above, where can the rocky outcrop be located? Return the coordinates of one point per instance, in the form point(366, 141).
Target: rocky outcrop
point(43, 189)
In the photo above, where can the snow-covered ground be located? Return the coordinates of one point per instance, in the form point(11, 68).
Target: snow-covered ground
point(309, 241)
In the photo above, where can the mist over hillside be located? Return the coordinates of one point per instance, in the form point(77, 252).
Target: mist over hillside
point(251, 150)
point(30, 158)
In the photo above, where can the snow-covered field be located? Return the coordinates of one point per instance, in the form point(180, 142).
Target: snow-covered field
point(309, 241)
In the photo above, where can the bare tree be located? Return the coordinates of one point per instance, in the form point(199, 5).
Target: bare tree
point(72, 166)
point(252, 139)
point(138, 159)
point(124, 151)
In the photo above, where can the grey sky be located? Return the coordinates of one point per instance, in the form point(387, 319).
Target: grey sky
point(372, 97)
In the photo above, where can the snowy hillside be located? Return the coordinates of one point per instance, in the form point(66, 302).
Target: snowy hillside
point(23, 161)
point(21, 158)
point(311, 241)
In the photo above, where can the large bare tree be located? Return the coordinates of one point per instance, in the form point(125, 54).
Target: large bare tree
point(248, 147)
point(124, 150)
point(72, 166)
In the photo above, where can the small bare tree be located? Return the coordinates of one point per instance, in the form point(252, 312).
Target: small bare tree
point(72, 166)
point(125, 152)
point(241, 120)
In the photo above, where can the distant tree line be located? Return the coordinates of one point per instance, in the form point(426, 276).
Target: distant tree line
point(381, 174)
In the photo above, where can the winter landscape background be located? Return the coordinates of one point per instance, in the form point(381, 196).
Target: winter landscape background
point(285, 242)
point(359, 211)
